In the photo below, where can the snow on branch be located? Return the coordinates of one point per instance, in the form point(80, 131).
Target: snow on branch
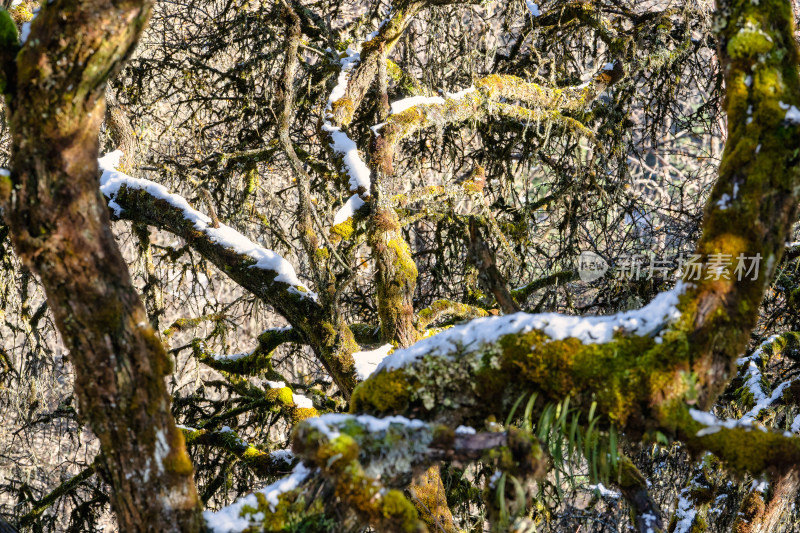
point(341, 144)
point(344, 146)
point(359, 456)
point(113, 180)
point(480, 332)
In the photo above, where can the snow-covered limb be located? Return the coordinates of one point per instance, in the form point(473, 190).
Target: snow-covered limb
point(344, 147)
point(743, 448)
point(113, 180)
point(341, 144)
point(467, 372)
point(357, 458)
point(590, 330)
point(489, 98)
point(147, 202)
point(258, 510)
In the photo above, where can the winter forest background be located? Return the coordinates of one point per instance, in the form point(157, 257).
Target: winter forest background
point(300, 187)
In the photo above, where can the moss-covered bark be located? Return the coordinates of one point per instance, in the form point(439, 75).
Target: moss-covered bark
point(61, 231)
point(754, 201)
point(396, 277)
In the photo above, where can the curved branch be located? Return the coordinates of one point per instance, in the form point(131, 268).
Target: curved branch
point(262, 272)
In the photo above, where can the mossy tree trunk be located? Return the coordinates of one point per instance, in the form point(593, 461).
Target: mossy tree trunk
point(61, 230)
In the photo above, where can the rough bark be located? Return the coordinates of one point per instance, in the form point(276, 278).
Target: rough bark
point(61, 230)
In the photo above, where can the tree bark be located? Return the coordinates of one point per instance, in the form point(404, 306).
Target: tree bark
point(61, 230)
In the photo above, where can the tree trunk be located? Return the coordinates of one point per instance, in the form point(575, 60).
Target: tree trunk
point(61, 230)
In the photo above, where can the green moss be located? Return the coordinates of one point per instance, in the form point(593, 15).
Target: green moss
point(396, 508)
point(9, 38)
point(628, 476)
point(749, 43)
point(282, 395)
point(384, 392)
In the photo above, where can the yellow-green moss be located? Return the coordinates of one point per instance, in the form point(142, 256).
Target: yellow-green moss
point(396, 508)
point(748, 43)
point(404, 262)
point(301, 413)
point(337, 453)
point(344, 230)
point(6, 185)
point(384, 392)
point(431, 501)
point(282, 395)
point(177, 460)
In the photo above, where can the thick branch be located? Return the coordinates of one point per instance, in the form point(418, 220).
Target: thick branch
point(262, 272)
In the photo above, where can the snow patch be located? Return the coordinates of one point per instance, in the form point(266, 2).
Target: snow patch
point(346, 147)
point(792, 113)
point(368, 361)
point(302, 402)
point(604, 492)
point(461, 94)
point(685, 513)
point(352, 205)
point(795, 424)
point(231, 357)
point(328, 424)
point(533, 8)
point(715, 424)
point(287, 456)
point(407, 103)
